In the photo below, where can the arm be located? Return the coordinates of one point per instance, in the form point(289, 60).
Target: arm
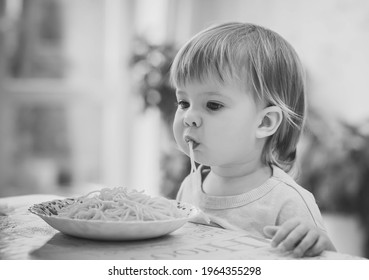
point(302, 238)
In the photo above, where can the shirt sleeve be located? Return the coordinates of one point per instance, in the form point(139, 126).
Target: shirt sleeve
point(303, 206)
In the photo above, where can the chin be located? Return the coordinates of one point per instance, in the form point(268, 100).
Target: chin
point(205, 162)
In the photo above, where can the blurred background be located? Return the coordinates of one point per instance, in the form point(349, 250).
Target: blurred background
point(85, 99)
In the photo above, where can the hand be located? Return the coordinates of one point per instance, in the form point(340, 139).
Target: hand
point(299, 237)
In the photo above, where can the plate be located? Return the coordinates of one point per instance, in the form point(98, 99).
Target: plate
point(111, 230)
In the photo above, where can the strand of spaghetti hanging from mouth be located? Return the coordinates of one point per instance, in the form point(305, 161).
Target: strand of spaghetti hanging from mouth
point(192, 158)
point(193, 173)
point(189, 139)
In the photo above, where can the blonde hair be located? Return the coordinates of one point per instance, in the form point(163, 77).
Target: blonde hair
point(256, 59)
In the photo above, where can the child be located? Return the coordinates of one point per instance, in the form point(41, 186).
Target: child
point(241, 106)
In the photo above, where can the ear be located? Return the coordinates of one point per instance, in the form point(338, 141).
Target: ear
point(270, 119)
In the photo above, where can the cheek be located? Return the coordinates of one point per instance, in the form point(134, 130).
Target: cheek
point(243, 136)
point(178, 131)
point(235, 137)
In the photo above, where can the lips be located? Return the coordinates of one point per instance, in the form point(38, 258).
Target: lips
point(188, 139)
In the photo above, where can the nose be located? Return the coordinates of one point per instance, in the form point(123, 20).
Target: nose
point(192, 119)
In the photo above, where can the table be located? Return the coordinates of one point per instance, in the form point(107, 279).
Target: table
point(25, 236)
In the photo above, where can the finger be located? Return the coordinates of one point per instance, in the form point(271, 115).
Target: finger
point(270, 230)
point(306, 243)
point(284, 231)
point(295, 236)
point(317, 248)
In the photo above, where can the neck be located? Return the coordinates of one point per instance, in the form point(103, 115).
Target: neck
point(235, 179)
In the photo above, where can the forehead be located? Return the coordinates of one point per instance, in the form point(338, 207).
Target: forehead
point(212, 86)
point(205, 82)
point(211, 90)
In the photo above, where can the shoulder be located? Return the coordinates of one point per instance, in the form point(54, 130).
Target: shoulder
point(295, 201)
point(288, 186)
point(191, 184)
point(184, 186)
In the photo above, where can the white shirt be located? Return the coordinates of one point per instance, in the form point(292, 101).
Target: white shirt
point(275, 201)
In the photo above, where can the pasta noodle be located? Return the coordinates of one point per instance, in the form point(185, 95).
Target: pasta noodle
point(193, 166)
point(120, 204)
point(193, 175)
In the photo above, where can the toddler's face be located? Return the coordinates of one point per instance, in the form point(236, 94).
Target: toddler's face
point(220, 120)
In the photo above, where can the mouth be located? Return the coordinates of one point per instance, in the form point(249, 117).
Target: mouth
point(189, 139)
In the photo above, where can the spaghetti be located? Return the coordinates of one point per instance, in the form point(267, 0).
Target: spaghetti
point(193, 166)
point(193, 177)
point(120, 204)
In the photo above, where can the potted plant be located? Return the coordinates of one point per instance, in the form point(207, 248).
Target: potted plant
point(151, 65)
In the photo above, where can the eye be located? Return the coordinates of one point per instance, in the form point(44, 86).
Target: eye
point(183, 104)
point(214, 106)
